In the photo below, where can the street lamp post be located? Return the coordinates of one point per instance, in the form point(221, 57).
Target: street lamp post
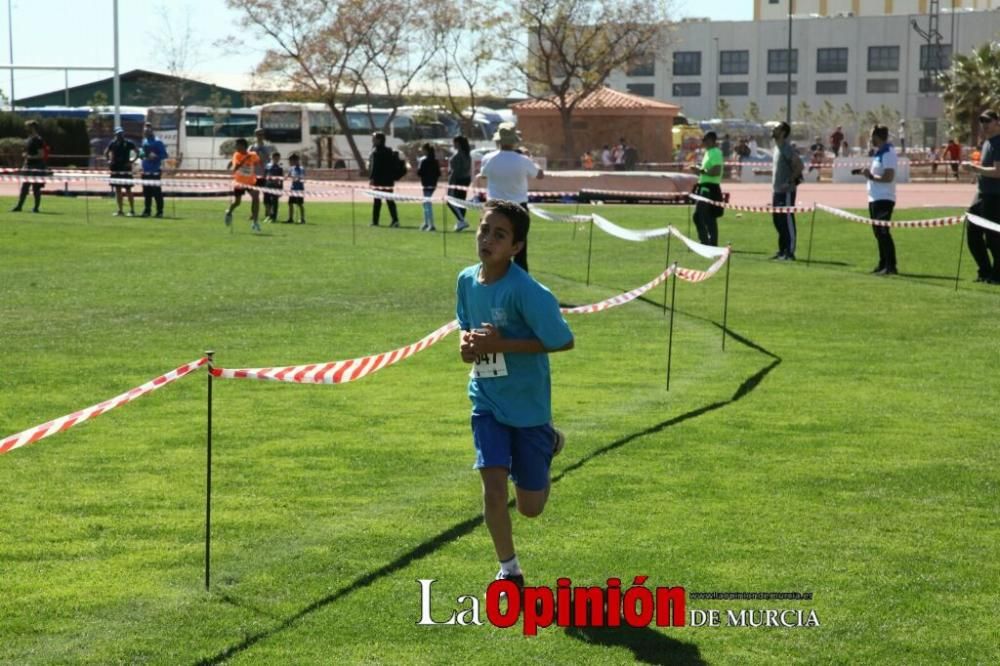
point(788, 82)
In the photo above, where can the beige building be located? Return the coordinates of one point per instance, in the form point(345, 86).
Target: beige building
point(767, 10)
point(862, 61)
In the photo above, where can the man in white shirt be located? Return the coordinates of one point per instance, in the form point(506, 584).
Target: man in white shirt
point(881, 176)
point(506, 172)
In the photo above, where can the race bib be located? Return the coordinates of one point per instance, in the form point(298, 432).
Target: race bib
point(489, 366)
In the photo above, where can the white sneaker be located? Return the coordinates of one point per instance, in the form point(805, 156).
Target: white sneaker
point(461, 225)
point(229, 218)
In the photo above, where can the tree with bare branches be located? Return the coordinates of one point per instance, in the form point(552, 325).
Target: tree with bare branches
point(563, 50)
point(336, 50)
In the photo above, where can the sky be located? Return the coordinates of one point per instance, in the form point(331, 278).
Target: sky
point(80, 33)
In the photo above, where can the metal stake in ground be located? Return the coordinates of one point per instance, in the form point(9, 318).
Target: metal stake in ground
point(86, 196)
point(725, 300)
point(208, 476)
point(690, 217)
point(809, 251)
point(961, 248)
point(444, 225)
point(354, 233)
point(673, 308)
point(590, 249)
point(666, 266)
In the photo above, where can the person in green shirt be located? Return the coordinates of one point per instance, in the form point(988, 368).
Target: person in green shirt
point(709, 186)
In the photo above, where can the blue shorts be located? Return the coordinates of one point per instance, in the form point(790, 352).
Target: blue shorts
point(525, 452)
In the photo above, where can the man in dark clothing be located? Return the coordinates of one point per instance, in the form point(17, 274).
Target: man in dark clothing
point(984, 242)
point(836, 140)
point(34, 166)
point(153, 152)
point(383, 172)
point(120, 154)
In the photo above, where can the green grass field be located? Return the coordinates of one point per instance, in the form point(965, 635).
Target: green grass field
point(844, 444)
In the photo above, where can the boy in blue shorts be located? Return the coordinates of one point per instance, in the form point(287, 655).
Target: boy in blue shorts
point(510, 324)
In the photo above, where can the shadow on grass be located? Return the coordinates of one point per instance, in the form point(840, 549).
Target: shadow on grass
point(649, 646)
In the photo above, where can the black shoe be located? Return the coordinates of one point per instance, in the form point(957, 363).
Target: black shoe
point(891, 271)
point(34, 210)
point(289, 221)
point(145, 213)
point(518, 579)
point(374, 224)
point(395, 223)
point(159, 213)
point(15, 209)
point(302, 221)
point(788, 257)
point(778, 256)
point(878, 270)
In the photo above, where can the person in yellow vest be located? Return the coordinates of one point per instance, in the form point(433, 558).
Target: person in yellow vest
point(709, 186)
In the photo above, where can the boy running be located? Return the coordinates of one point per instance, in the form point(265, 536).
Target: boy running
point(295, 198)
point(243, 165)
point(510, 323)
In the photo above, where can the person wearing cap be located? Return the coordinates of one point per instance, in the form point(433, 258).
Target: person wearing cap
point(710, 187)
point(985, 242)
point(121, 153)
point(263, 151)
point(881, 177)
point(153, 152)
point(507, 172)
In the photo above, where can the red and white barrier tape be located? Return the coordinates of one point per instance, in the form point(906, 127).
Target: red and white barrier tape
point(32, 435)
point(752, 209)
point(895, 224)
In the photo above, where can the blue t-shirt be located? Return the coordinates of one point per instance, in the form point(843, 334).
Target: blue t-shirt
point(153, 147)
point(298, 175)
point(521, 309)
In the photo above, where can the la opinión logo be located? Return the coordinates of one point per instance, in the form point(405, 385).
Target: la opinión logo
point(566, 606)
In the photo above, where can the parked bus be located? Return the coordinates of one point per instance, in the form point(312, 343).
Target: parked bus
point(194, 134)
point(310, 129)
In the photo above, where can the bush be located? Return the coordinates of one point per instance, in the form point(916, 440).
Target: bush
point(10, 151)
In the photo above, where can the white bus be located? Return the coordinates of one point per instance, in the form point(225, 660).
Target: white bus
point(310, 129)
point(194, 134)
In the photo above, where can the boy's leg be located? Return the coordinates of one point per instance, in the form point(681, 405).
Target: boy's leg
point(495, 511)
point(302, 213)
point(254, 204)
point(531, 458)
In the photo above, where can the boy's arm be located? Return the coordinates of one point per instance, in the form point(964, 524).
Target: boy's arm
point(488, 340)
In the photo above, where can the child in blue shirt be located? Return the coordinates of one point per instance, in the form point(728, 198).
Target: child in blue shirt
point(510, 323)
point(295, 198)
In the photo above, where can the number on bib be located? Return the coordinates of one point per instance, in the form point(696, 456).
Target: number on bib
point(489, 366)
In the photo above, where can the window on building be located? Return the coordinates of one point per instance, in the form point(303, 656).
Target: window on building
point(734, 89)
point(777, 61)
point(643, 65)
point(687, 63)
point(934, 56)
point(644, 89)
point(687, 90)
point(883, 58)
point(831, 87)
point(927, 84)
point(734, 62)
point(781, 88)
point(831, 60)
point(884, 86)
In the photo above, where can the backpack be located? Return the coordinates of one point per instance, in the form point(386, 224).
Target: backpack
point(401, 166)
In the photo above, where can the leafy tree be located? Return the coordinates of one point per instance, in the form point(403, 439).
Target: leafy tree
point(562, 51)
point(971, 85)
point(753, 113)
point(723, 110)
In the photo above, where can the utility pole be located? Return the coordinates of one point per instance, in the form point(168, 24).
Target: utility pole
point(788, 81)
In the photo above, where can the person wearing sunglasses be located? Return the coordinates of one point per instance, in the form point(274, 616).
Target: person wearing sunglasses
point(985, 242)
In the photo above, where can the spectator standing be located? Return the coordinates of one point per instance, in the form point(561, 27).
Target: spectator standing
point(984, 242)
point(121, 153)
point(33, 167)
point(506, 172)
point(786, 174)
point(459, 177)
point(607, 161)
point(263, 150)
point(430, 172)
point(295, 198)
point(881, 176)
point(837, 141)
point(953, 153)
point(709, 186)
point(384, 169)
point(152, 152)
point(630, 157)
point(817, 153)
point(274, 178)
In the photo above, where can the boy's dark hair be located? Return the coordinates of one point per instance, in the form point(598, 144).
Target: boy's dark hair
point(31, 124)
point(293, 156)
point(880, 131)
point(275, 154)
point(514, 212)
point(242, 142)
point(785, 128)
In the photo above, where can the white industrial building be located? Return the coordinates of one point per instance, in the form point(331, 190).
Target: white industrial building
point(864, 53)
